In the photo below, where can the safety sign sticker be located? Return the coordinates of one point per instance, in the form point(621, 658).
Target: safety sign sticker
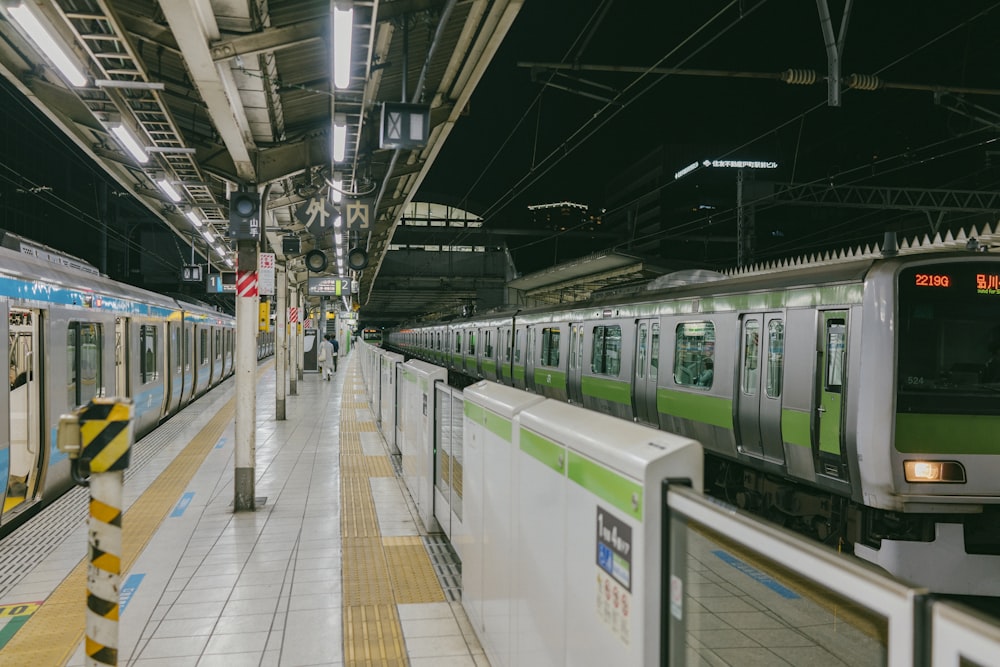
point(614, 574)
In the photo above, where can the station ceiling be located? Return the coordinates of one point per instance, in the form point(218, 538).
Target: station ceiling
point(225, 95)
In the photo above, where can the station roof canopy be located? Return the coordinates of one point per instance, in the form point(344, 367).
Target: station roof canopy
point(224, 95)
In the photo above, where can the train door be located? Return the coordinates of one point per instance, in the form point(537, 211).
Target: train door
point(647, 360)
point(518, 366)
point(833, 365)
point(529, 358)
point(574, 370)
point(758, 395)
point(121, 357)
point(22, 466)
point(503, 354)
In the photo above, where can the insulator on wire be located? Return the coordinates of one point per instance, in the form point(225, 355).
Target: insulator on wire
point(799, 77)
point(864, 82)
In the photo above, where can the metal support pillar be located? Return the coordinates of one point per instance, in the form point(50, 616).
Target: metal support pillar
point(300, 343)
point(280, 343)
point(246, 375)
point(293, 374)
point(745, 224)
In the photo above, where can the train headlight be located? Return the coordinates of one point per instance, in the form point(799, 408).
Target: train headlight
point(949, 472)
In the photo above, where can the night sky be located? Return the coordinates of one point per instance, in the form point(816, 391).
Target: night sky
point(522, 142)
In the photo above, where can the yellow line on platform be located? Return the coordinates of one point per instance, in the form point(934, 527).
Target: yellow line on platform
point(53, 632)
point(378, 572)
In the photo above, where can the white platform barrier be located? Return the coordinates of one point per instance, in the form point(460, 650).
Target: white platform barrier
point(562, 529)
point(556, 514)
point(449, 469)
point(386, 414)
point(415, 433)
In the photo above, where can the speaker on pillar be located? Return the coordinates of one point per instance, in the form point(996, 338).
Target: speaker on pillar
point(316, 261)
point(357, 259)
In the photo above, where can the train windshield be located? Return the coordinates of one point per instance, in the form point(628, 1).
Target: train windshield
point(949, 338)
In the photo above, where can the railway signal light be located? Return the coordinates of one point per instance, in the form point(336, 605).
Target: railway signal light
point(244, 216)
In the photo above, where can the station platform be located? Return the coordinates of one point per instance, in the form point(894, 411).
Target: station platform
point(332, 568)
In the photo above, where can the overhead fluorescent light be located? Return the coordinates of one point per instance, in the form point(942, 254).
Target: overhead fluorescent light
point(131, 144)
point(207, 233)
point(343, 27)
point(44, 37)
point(337, 191)
point(229, 262)
point(169, 189)
point(339, 137)
point(338, 221)
point(193, 217)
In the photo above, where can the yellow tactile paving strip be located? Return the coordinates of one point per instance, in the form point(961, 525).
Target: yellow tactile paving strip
point(378, 572)
point(54, 631)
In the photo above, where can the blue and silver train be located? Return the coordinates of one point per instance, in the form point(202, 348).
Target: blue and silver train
point(852, 398)
point(72, 334)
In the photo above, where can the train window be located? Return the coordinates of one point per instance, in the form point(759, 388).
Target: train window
point(203, 347)
point(506, 345)
point(148, 349)
point(458, 342)
point(517, 346)
point(550, 347)
point(187, 350)
point(487, 344)
point(751, 357)
point(654, 351)
point(775, 357)
point(694, 354)
point(606, 358)
point(218, 344)
point(84, 351)
point(472, 343)
point(836, 339)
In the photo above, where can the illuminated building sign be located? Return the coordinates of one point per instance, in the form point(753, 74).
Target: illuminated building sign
point(741, 164)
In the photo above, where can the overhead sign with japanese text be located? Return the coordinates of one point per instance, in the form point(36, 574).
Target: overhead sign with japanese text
point(328, 286)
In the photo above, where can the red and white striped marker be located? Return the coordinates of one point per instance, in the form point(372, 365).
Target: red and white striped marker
point(293, 315)
point(246, 283)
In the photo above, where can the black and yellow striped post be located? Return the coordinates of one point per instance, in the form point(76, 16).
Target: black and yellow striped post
point(103, 449)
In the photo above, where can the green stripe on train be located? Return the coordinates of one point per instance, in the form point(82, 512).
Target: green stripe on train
point(550, 377)
point(795, 428)
point(713, 410)
point(947, 434)
point(489, 366)
point(615, 391)
point(548, 453)
point(611, 487)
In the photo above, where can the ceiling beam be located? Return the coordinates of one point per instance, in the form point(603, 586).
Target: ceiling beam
point(221, 96)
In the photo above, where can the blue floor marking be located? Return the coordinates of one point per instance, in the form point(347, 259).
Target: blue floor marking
point(128, 590)
point(756, 575)
point(222, 441)
point(182, 504)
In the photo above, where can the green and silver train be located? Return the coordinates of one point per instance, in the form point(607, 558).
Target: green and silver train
point(849, 398)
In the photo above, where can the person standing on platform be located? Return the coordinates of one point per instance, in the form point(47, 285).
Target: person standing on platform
point(327, 357)
point(336, 351)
